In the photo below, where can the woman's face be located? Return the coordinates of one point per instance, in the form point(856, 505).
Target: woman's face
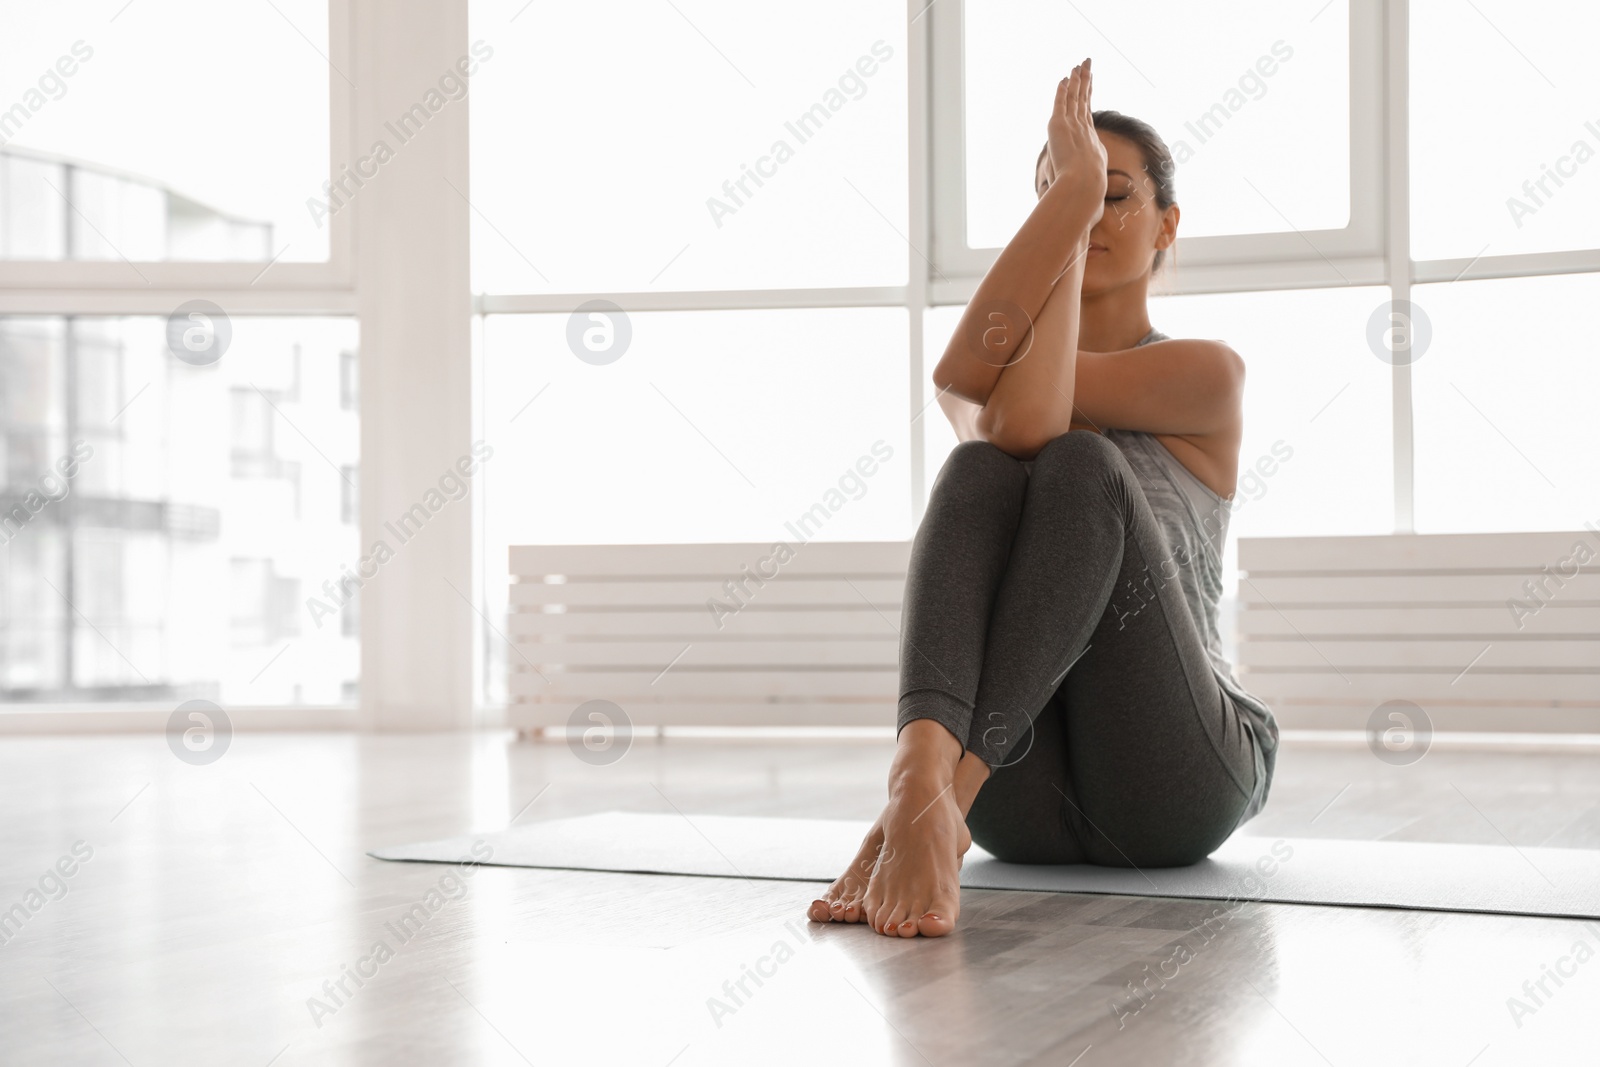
point(1123, 244)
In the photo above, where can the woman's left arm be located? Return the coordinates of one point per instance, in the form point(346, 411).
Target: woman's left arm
point(1170, 387)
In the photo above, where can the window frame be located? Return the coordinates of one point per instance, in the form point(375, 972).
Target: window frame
point(115, 287)
point(1224, 263)
point(1373, 249)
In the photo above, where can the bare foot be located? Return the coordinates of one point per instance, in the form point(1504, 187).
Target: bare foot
point(905, 880)
point(843, 900)
point(916, 887)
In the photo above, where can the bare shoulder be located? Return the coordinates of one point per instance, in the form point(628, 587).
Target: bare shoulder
point(1212, 457)
point(1205, 352)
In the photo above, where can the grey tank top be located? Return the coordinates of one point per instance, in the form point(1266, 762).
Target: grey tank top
point(1194, 521)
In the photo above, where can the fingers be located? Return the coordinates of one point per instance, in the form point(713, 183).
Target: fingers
point(1073, 92)
point(1081, 77)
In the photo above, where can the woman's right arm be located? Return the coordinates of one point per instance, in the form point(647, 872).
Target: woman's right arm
point(1021, 279)
point(998, 320)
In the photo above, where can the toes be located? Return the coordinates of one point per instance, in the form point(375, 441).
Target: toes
point(907, 926)
point(818, 912)
point(853, 912)
point(889, 919)
point(939, 917)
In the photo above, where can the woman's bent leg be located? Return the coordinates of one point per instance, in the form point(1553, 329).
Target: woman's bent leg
point(957, 559)
point(905, 877)
point(1136, 757)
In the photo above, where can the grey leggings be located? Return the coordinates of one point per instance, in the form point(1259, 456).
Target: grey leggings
point(1033, 633)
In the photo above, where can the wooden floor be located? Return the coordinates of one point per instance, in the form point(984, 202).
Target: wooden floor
point(219, 900)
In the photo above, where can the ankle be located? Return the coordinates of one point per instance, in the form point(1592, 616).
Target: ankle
point(970, 775)
point(926, 754)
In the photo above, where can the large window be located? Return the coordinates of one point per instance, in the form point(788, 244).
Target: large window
point(179, 435)
point(168, 131)
point(714, 250)
point(173, 530)
point(1505, 396)
point(1253, 99)
point(1511, 162)
point(1293, 247)
point(704, 146)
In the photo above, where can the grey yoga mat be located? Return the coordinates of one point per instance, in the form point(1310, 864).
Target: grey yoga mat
point(1393, 874)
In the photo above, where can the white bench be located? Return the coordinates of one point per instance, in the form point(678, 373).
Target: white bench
point(814, 644)
point(1328, 628)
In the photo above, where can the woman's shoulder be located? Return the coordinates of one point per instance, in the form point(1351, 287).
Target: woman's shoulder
point(1207, 346)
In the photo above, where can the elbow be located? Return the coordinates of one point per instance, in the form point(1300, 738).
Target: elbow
point(945, 379)
point(1014, 438)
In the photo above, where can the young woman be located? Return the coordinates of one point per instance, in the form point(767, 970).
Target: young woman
point(1063, 696)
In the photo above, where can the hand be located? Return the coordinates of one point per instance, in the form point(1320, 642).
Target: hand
point(1077, 157)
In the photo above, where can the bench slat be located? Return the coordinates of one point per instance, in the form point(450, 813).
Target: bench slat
point(1377, 623)
point(1411, 553)
point(787, 590)
point(622, 686)
point(882, 652)
point(719, 561)
point(754, 620)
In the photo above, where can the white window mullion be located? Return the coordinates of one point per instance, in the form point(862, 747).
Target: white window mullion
point(919, 46)
point(1397, 244)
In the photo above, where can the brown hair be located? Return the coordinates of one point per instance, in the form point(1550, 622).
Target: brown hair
point(1157, 156)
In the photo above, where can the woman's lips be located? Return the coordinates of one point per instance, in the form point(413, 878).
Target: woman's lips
point(1094, 248)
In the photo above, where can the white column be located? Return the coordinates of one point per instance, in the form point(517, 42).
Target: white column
point(414, 301)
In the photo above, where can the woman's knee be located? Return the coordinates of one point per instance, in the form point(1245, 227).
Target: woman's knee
point(983, 462)
point(1079, 450)
point(980, 453)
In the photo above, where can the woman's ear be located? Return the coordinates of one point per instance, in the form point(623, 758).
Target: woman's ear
point(1167, 235)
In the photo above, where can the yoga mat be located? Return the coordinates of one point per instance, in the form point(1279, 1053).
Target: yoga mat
point(1554, 882)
